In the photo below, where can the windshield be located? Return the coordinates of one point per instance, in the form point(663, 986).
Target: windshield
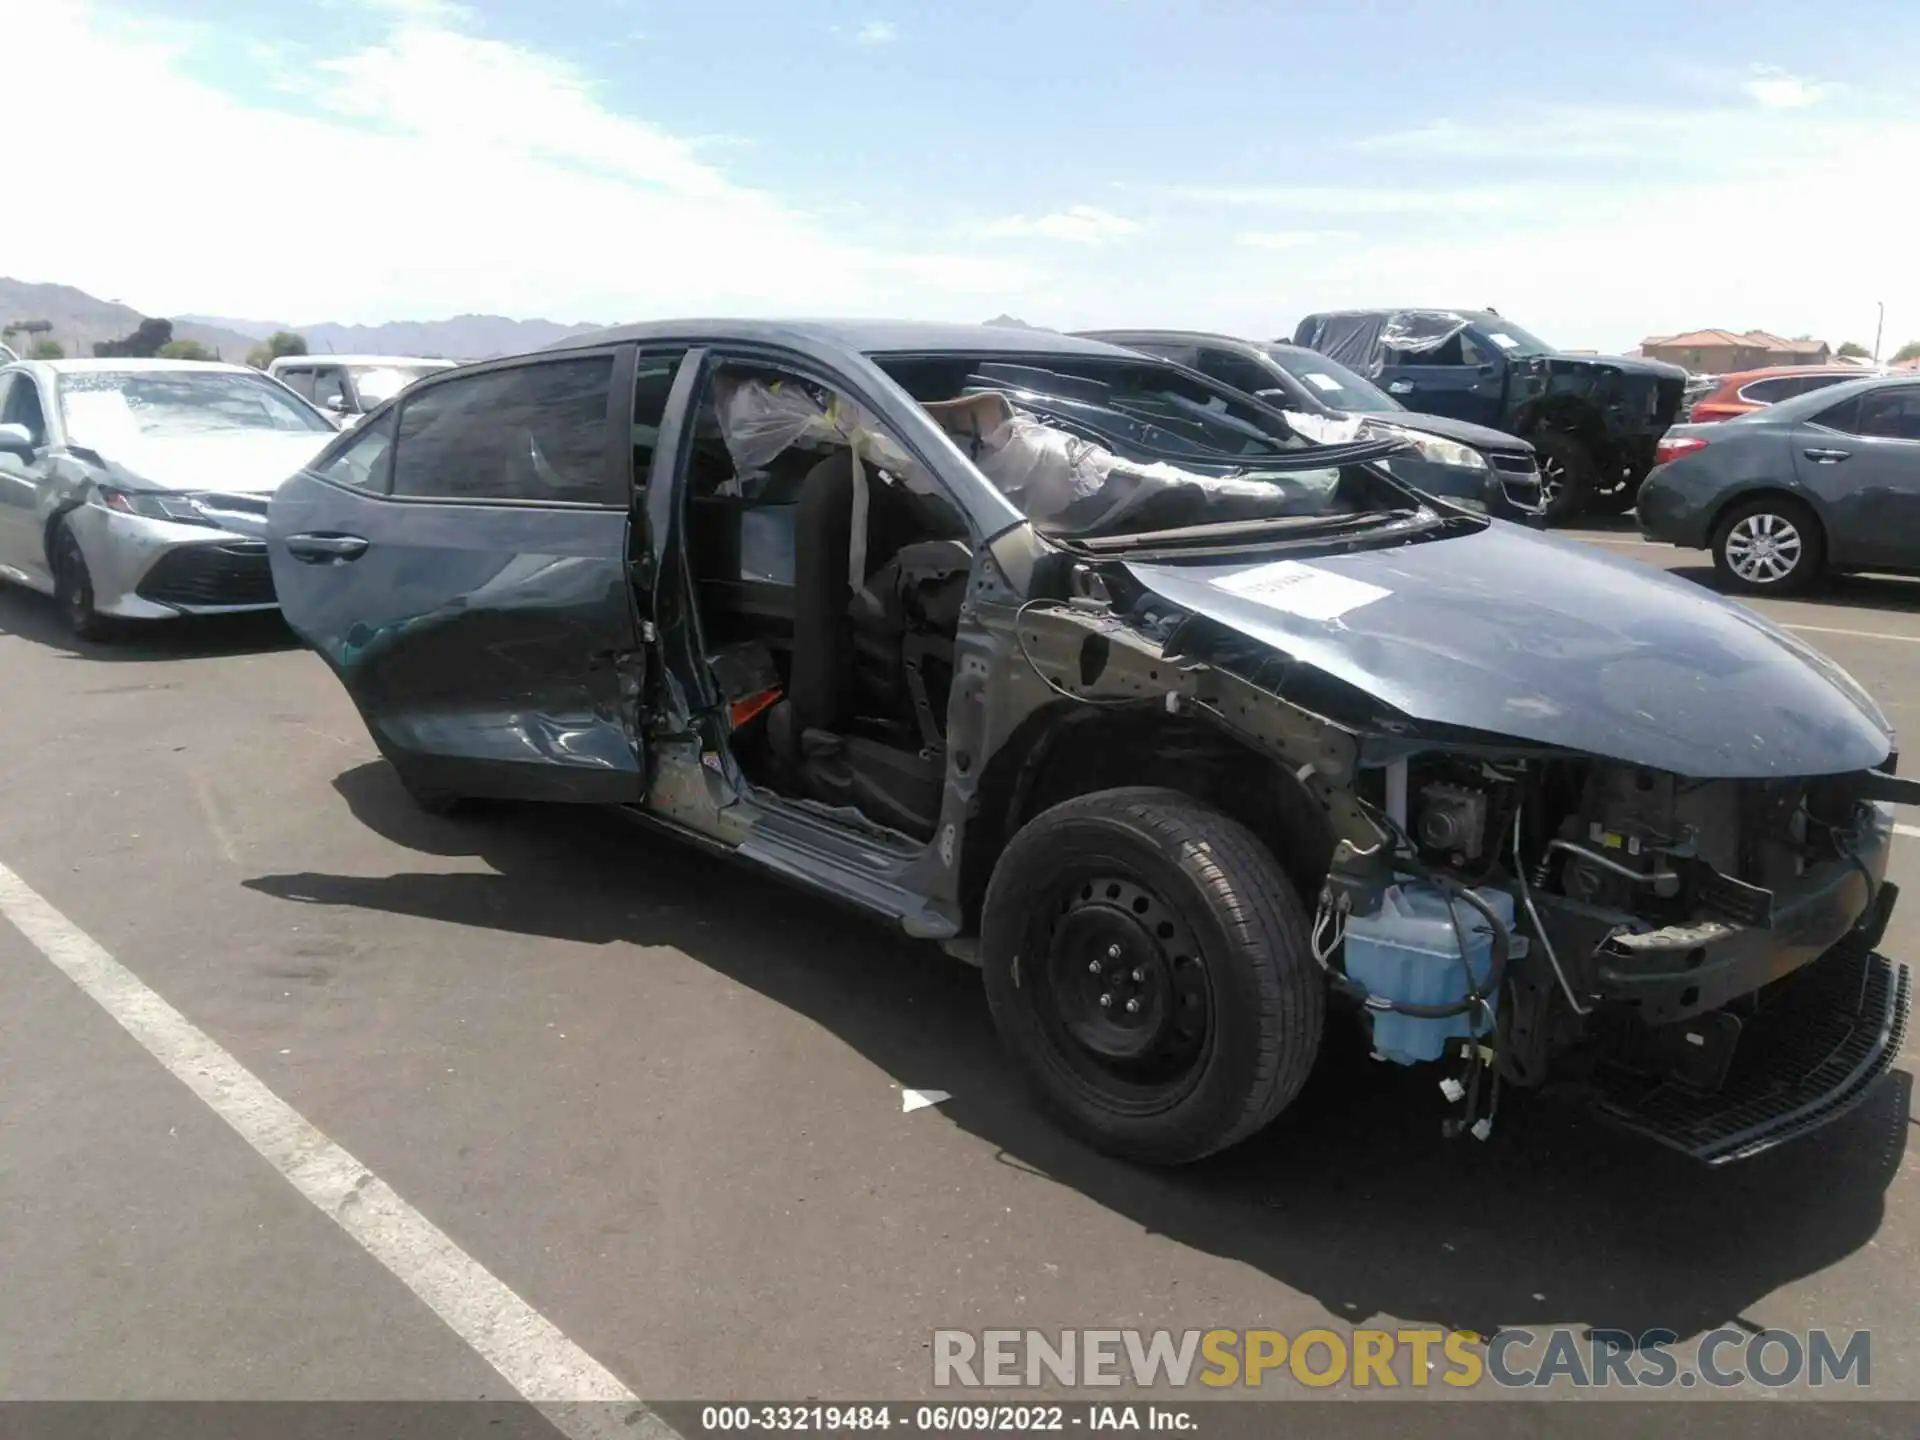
point(1331, 381)
point(1510, 339)
point(1088, 447)
point(386, 381)
point(104, 407)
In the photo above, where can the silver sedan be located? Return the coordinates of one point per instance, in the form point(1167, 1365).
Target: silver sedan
point(138, 489)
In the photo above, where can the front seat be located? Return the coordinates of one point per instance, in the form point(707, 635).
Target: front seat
point(896, 785)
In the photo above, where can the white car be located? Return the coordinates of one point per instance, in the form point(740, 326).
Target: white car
point(348, 386)
point(138, 489)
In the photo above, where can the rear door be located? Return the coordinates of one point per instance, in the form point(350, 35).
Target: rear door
point(461, 562)
point(1862, 459)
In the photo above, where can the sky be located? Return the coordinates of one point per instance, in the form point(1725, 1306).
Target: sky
point(1597, 173)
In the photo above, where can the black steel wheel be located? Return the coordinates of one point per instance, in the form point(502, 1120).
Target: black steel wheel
point(73, 586)
point(1148, 968)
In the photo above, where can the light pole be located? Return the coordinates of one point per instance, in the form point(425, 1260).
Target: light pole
point(1878, 326)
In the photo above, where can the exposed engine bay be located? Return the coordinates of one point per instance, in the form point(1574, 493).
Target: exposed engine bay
point(1503, 904)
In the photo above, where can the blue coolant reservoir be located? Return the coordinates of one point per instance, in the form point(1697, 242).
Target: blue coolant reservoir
point(1409, 951)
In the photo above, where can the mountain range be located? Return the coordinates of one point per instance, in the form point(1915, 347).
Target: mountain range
point(79, 321)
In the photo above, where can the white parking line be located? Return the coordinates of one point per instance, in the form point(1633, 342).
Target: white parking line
point(1857, 634)
point(1910, 830)
point(580, 1396)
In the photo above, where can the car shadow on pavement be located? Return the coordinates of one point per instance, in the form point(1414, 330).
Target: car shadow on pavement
point(1863, 596)
point(1353, 1197)
point(31, 616)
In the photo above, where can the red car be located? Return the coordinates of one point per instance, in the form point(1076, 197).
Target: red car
point(1748, 390)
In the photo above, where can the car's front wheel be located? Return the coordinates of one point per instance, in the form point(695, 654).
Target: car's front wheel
point(1148, 967)
point(1769, 546)
point(1568, 475)
point(73, 586)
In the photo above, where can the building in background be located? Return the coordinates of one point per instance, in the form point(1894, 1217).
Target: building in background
point(1717, 352)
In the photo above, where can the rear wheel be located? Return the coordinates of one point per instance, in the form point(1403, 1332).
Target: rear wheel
point(1769, 546)
point(73, 586)
point(1147, 965)
point(1568, 475)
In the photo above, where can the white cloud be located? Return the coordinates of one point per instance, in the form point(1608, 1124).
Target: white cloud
point(447, 172)
point(1290, 239)
point(1079, 224)
point(1773, 88)
point(877, 32)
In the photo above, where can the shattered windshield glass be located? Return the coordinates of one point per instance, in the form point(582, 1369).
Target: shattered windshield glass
point(1090, 448)
point(101, 407)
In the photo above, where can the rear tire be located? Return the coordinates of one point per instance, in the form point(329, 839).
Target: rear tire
point(1185, 923)
point(1772, 545)
point(1568, 475)
point(73, 586)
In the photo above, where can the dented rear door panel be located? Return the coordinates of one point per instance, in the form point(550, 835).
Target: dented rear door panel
point(492, 648)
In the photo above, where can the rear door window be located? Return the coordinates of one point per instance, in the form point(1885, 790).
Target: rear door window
point(1892, 414)
point(536, 432)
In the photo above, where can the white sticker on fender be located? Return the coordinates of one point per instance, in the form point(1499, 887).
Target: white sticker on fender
point(1303, 590)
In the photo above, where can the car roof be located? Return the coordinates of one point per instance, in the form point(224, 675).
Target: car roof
point(1117, 335)
point(1768, 372)
point(112, 365)
point(364, 360)
point(1795, 406)
point(865, 337)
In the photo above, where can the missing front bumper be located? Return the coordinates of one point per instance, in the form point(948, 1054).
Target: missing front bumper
point(1813, 1055)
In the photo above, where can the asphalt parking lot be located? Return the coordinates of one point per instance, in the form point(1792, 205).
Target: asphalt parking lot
point(659, 1099)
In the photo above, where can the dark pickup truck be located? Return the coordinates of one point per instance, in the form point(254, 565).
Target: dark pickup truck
point(1594, 420)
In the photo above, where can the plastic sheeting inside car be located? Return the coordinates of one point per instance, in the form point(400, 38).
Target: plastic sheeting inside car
point(759, 419)
point(1068, 485)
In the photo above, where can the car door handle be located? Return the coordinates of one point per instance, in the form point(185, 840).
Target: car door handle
point(325, 549)
point(1826, 457)
point(1400, 387)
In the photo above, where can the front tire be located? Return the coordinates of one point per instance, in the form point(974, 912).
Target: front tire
point(1568, 475)
point(1770, 546)
point(1213, 1005)
point(73, 586)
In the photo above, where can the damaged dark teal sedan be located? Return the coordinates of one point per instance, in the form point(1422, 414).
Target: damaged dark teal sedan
point(1199, 737)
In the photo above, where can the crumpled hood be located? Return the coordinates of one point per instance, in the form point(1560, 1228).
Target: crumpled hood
point(1543, 640)
point(234, 461)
